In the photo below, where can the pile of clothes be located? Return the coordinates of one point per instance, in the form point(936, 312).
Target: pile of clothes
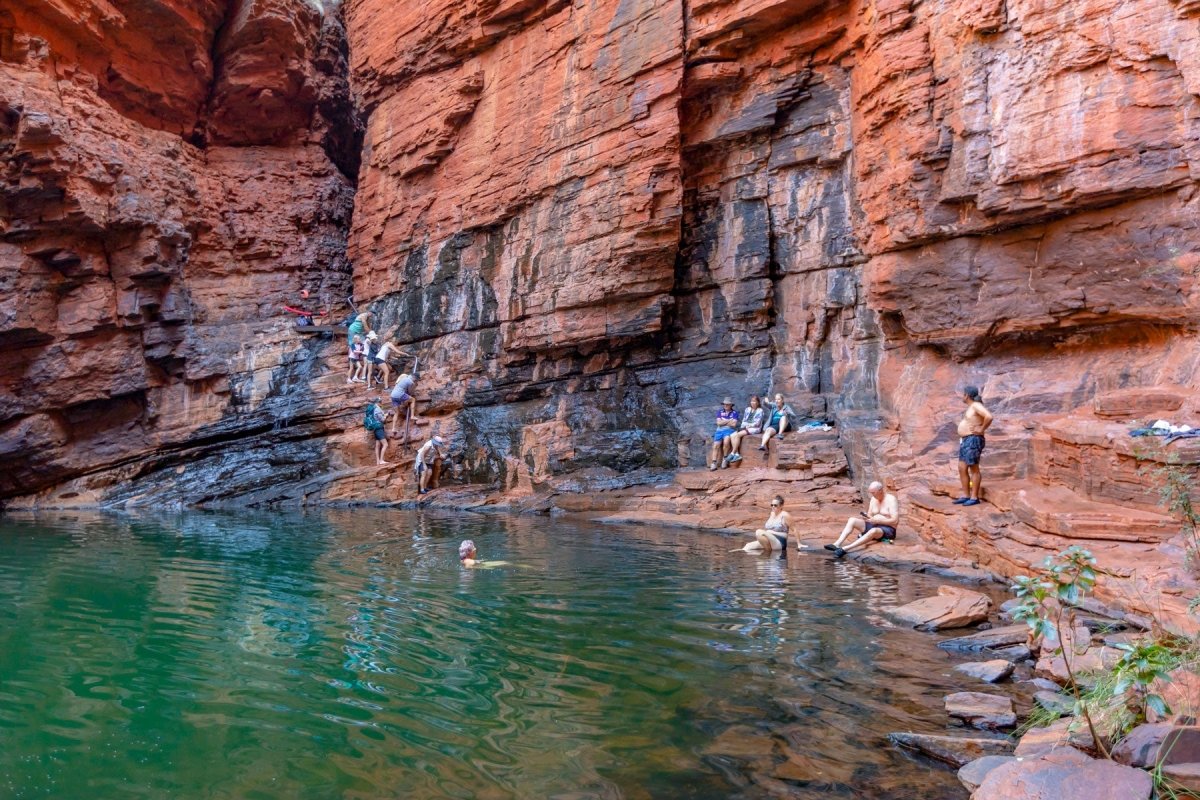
point(1166, 430)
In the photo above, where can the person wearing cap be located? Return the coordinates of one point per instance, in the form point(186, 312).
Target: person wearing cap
point(727, 422)
point(428, 466)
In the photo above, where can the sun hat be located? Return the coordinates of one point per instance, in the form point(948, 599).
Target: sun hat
point(372, 336)
point(438, 440)
point(466, 548)
point(728, 401)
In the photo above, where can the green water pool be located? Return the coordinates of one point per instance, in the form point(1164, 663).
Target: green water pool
point(346, 654)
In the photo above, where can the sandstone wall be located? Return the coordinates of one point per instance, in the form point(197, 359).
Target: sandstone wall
point(590, 219)
point(593, 219)
point(169, 179)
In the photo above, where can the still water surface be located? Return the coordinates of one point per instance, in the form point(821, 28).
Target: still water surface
point(348, 655)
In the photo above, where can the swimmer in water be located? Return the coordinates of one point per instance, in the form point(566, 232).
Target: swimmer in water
point(468, 556)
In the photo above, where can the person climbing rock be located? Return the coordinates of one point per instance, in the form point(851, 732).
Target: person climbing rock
point(877, 523)
point(975, 420)
point(402, 399)
point(354, 374)
point(373, 421)
point(359, 327)
point(428, 464)
point(388, 350)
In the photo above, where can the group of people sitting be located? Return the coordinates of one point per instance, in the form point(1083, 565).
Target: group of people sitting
point(765, 422)
point(877, 523)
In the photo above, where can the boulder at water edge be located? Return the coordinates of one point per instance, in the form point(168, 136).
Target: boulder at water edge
point(1064, 775)
point(981, 710)
point(1062, 734)
point(971, 775)
point(954, 750)
point(989, 671)
point(953, 607)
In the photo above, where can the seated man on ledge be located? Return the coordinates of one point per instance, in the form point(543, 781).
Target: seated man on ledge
point(878, 522)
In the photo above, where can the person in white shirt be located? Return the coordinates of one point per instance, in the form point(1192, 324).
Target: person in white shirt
point(387, 351)
point(752, 425)
point(428, 465)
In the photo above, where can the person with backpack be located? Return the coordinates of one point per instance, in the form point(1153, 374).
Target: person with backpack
point(373, 421)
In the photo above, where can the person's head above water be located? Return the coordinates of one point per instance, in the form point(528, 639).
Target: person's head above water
point(875, 489)
point(971, 394)
point(466, 550)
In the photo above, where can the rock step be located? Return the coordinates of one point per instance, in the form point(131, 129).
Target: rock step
point(987, 640)
point(1059, 511)
point(1099, 460)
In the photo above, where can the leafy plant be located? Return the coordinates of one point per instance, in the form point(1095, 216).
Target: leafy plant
point(1141, 664)
point(1047, 601)
point(1175, 494)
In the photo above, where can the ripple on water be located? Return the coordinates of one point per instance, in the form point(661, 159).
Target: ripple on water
point(348, 655)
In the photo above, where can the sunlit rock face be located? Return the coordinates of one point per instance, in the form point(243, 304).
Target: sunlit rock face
point(591, 220)
point(170, 178)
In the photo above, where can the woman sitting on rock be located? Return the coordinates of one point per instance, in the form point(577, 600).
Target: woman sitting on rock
point(773, 536)
point(779, 421)
point(752, 425)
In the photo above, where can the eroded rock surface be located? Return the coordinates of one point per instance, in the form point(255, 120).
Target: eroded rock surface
point(592, 220)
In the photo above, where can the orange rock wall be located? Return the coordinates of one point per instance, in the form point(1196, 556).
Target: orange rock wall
point(590, 220)
point(169, 179)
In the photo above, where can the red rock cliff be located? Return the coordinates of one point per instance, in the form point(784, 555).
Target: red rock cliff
point(596, 218)
point(592, 219)
point(170, 177)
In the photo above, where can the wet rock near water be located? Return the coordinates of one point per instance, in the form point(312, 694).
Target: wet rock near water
point(1064, 775)
point(990, 639)
point(1061, 734)
point(988, 671)
point(979, 710)
point(973, 773)
point(953, 750)
point(952, 607)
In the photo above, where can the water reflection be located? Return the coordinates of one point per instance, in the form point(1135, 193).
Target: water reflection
point(347, 654)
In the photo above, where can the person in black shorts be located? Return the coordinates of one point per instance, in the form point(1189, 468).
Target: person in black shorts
point(877, 523)
point(974, 422)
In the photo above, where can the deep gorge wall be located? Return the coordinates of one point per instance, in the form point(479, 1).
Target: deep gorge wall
point(172, 172)
point(591, 219)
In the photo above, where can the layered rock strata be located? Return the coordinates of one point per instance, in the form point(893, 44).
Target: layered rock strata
point(170, 177)
point(591, 220)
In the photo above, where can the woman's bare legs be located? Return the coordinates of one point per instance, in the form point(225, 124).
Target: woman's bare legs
point(767, 434)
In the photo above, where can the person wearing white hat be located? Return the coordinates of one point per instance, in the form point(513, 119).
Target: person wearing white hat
point(428, 465)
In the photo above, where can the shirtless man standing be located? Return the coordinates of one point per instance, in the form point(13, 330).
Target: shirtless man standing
point(879, 521)
point(974, 422)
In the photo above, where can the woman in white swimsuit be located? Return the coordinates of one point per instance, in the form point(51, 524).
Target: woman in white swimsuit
point(773, 536)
